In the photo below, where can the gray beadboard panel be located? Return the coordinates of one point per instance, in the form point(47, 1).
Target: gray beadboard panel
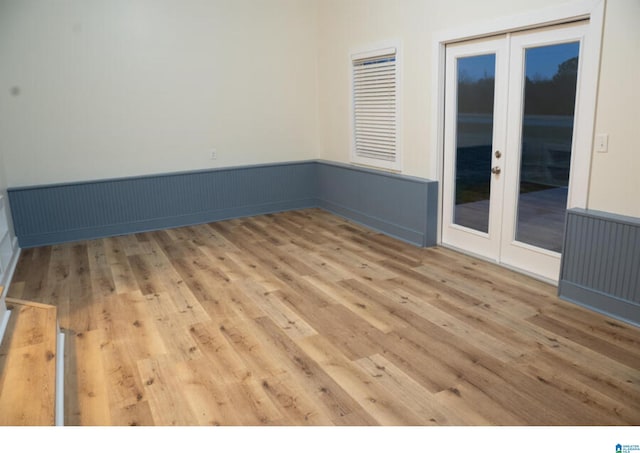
point(39, 239)
point(600, 302)
point(603, 252)
point(601, 262)
point(400, 206)
point(388, 228)
point(66, 212)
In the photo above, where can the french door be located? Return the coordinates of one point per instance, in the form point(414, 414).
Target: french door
point(511, 107)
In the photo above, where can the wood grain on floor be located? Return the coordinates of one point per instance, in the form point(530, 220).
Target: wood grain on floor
point(304, 318)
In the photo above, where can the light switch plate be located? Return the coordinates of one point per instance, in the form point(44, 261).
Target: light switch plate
point(602, 143)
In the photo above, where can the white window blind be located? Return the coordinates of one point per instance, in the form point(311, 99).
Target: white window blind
point(375, 92)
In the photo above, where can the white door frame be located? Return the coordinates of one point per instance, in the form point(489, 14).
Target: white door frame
point(593, 10)
point(514, 253)
point(477, 242)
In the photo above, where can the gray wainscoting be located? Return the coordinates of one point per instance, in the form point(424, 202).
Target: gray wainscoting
point(400, 206)
point(397, 205)
point(601, 263)
point(52, 214)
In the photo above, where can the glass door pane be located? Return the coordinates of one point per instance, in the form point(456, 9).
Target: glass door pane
point(551, 74)
point(474, 140)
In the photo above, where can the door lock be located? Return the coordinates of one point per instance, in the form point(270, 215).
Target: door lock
point(498, 154)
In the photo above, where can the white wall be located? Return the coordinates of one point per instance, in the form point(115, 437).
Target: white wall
point(126, 87)
point(615, 176)
point(352, 24)
point(12, 252)
point(345, 25)
point(111, 88)
point(3, 192)
point(348, 24)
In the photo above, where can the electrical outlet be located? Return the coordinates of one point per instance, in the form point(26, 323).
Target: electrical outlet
point(214, 154)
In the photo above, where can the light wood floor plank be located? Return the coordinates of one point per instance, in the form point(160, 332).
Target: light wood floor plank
point(305, 318)
point(379, 403)
point(330, 398)
point(408, 392)
point(164, 391)
point(91, 393)
point(27, 365)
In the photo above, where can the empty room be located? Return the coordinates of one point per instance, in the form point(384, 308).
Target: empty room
point(319, 212)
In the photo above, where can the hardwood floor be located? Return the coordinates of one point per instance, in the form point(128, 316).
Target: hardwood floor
point(28, 366)
point(303, 318)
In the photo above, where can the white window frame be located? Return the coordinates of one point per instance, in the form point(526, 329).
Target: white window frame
point(372, 51)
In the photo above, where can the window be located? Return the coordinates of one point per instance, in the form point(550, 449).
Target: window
point(375, 108)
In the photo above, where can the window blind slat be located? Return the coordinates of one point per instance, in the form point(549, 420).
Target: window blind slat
point(374, 107)
point(375, 155)
point(378, 145)
point(379, 131)
point(377, 136)
point(375, 120)
point(373, 75)
point(375, 90)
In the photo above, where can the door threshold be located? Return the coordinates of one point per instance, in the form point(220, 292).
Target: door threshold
point(505, 265)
